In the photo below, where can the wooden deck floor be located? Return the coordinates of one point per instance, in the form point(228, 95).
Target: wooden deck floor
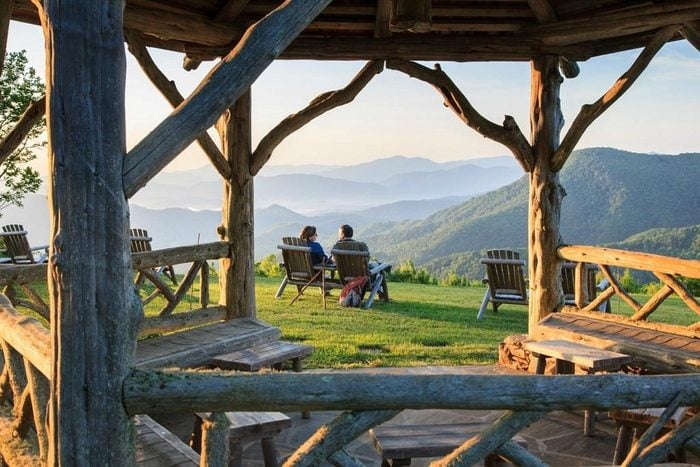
point(195, 347)
point(653, 349)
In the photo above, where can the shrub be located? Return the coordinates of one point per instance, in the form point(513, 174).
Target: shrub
point(269, 267)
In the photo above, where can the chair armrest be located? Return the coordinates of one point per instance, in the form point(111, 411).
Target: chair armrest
point(294, 248)
point(515, 262)
point(379, 268)
point(7, 234)
point(40, 248)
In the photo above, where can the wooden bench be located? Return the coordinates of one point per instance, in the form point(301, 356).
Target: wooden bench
point(247, 426)
point(656, 348)
point(268, 355)
point(568, 354)
point(398, 444)
point(157, 447)
point(195, 347)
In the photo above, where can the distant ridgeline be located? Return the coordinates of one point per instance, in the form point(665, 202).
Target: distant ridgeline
point(641, 202)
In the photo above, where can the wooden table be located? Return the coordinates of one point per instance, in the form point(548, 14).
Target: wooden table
point(568, 354)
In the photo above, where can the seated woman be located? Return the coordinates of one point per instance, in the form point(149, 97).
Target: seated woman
point(318, 256)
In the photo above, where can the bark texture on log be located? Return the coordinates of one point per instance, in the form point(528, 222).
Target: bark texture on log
point(177, 391)
point(5, 15)
point(94, 312)
point(237, 277)
point(546, 193)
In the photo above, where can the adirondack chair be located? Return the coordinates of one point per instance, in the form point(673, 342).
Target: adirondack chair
point(18, 248)
point(568, 284)
point(353, 261)
point(505, 277)
point(140, 242)
point(300, 270)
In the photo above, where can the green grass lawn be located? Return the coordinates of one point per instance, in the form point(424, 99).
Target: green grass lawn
point(422, 325)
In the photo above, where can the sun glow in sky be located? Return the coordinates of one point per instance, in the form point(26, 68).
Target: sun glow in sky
point(398, 115)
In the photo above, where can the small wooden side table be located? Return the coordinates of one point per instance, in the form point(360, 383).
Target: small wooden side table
point(567, 355)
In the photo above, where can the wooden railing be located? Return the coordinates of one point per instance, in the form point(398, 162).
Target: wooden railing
point(23, 276)
point(365, 400)
point(663, 267)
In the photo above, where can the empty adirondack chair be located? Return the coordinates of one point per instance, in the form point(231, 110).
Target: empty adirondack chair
point(300, 270)
point(141, 242)
point(18, 248)
point(568, 284)
point(505, 277)
point(353, 261)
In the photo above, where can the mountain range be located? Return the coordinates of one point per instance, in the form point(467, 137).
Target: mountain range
point(611, 197)
point(643, 202)
point(321, 189)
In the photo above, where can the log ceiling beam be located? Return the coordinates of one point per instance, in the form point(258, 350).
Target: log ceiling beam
point(691, 32)
point(227, 13)
point(590, 112)
point(627, 22)
point(173, 96)
point(542, 10)
point(29, 118)
point(509, 134)
point(225, 83)
point(383, 19)
point(320, 105)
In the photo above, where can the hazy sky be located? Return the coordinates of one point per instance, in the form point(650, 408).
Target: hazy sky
point(397, 115)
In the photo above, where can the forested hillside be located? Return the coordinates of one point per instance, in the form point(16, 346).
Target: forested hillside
point(612, 196)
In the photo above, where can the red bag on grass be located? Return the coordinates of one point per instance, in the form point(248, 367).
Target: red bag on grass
point(351, 295)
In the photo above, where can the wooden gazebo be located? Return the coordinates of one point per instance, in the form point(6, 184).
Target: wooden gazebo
point(84, 367)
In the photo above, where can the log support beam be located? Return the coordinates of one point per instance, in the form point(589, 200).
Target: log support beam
point(237, 278)
point(227, 81)
point(508, 134)
point(546, 193)
point(94, 311)
point(320, 105)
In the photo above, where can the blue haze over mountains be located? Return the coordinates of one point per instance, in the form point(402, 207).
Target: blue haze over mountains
point(441, 216)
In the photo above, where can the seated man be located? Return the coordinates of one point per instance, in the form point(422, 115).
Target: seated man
point(345, 233)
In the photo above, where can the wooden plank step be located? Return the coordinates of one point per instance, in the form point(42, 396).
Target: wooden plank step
point(261, 356)
point(195, 347)
point(157, 447)
point(591, 358)
point(414, 441)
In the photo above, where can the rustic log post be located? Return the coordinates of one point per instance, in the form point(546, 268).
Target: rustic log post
point(94, 311)
point(546, 193)
point(237, 277)
point(204, 285)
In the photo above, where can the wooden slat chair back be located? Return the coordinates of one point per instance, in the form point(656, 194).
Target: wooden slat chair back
point(353, 261)
point(140, 242)
point(18, 248)
point(568, 282)
point(505, 277)
point(300, 270)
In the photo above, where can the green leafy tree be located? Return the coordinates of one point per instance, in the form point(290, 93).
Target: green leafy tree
point(19, 87)
point(269, 267)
